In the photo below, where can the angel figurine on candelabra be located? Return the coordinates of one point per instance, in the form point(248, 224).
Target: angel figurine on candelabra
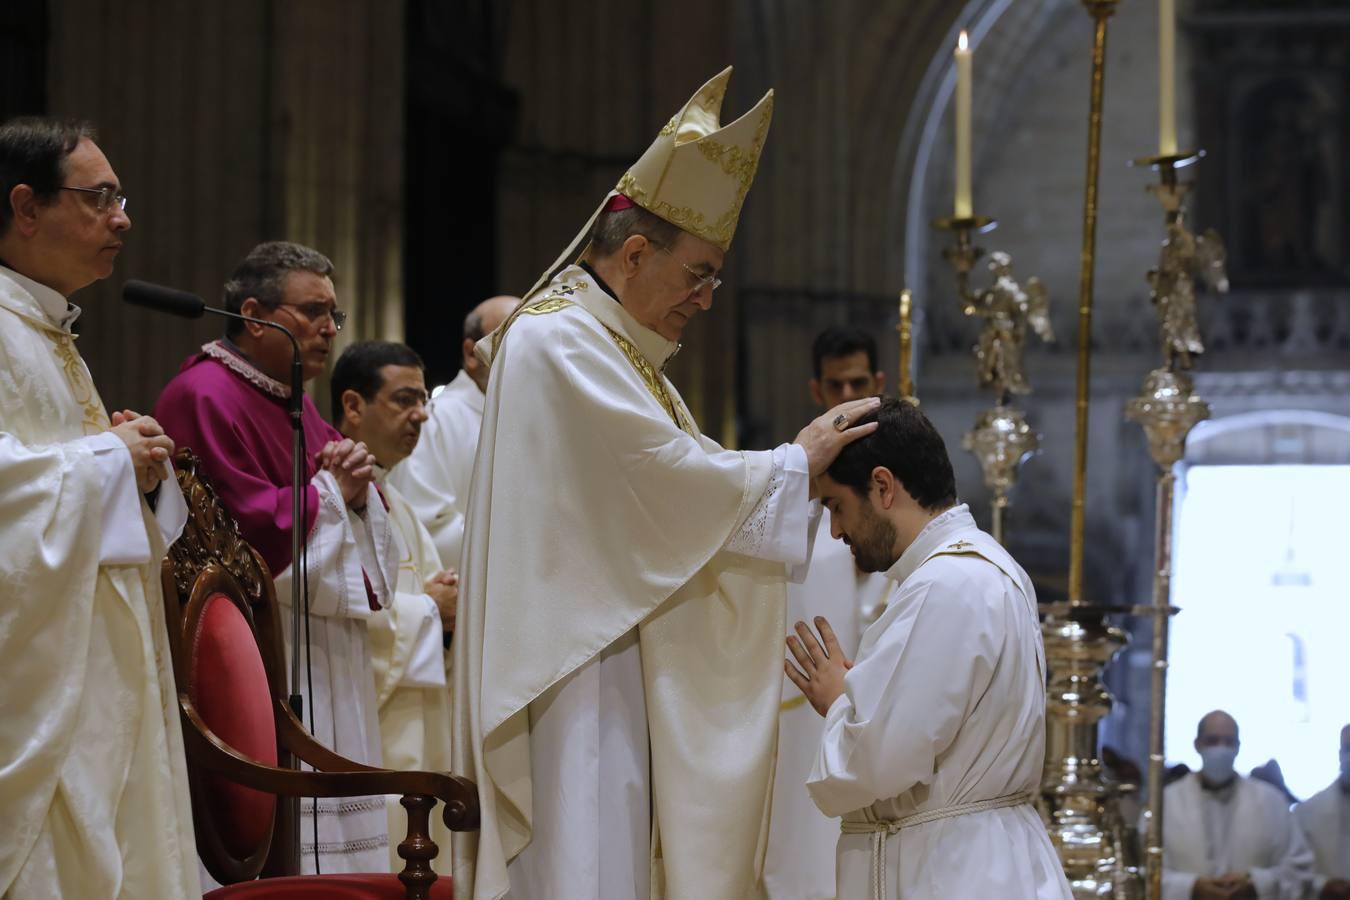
point(1007, 308)
point(1185, 258)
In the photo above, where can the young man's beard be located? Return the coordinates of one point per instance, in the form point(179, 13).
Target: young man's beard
point(874, 544)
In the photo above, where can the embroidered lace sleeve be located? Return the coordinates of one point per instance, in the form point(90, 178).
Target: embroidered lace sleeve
point(782, 525)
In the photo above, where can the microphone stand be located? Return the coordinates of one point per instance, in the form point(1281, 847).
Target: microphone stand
point(296, 404)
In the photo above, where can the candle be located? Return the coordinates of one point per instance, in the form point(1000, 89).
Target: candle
point(1167, 49)
point(963, 68)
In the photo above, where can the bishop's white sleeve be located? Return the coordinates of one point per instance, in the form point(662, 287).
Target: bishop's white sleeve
point(905, 697)
point(782, 526)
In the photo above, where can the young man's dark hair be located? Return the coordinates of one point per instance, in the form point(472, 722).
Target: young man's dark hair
point(907, 444)
point(358, 369)
point(33, 151)
point(835, 342)
point(262, 275)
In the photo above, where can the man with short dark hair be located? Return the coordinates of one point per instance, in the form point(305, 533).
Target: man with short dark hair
point(379, 399)
point(230, 405)
point(93, 790)
point(435, 477)
point(935, 735)
point(1227, 837)
point(844, 361)
point(1324, 820)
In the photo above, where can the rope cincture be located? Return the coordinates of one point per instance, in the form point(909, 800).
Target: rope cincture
point(881, 829)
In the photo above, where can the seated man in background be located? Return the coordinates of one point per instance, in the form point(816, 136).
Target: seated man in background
point(934, 738)
point(379, 399)
point(1226, 836)
point(1324, 821)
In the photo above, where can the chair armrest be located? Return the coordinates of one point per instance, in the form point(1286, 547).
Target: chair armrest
point(459, 795)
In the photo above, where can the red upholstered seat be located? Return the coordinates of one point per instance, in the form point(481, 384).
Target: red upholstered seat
point(327, 887)
point(229, 689)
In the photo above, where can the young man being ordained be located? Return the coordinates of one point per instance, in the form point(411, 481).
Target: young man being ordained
point(93, 789)
point(935, 736)
point(229, 404)
point(622, 594)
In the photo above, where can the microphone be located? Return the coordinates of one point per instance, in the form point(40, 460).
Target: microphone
point(163, 299)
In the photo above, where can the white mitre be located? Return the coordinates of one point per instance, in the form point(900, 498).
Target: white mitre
point(695, 175)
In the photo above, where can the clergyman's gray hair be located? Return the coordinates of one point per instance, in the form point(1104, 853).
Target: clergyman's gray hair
point(262, 275)
point(612, 229)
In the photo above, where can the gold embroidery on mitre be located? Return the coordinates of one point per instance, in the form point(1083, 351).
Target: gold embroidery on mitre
point(697, 172)
point(653, 380)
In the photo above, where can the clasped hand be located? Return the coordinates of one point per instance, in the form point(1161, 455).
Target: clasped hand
point(149, 446)
point(821, 676)
point(353, 466)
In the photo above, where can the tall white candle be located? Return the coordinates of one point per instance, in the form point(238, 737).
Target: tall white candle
point(1167, 53)
point(963, 77)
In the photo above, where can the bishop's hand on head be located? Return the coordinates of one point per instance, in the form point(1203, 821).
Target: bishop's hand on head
point(828, 434)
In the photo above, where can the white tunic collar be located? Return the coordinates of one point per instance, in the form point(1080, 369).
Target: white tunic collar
point(465, 390)
point(946, 528)
point(56, 308)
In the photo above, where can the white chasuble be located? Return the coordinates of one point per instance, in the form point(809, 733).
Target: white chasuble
point(933, 753)
point(407, 655)
point(623, 577)
point(1246, 827)
point(435, 477)
point(800, 860)
point(1324, 822)
point(94, 798)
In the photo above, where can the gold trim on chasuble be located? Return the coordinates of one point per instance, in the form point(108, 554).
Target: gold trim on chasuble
point(95, 418)
point(646, 371)
point(655, 383)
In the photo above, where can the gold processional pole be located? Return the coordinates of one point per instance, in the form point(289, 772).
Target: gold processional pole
point(906, 329)
point(1168, 408)
point(1001, 439)
point(1081, 810)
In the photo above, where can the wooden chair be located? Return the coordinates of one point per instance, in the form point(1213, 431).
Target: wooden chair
point(242, 739)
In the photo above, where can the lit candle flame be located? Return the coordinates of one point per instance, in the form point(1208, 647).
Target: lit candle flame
point(963, 42)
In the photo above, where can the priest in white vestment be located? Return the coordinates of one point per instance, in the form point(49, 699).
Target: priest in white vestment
point(379, 399)
point(622, 593)
point(1324, 821)
point(935, 735)
point(94, 799)
point(435, 476)
point(799, 863)
point(230, 405)
point(1229, 836)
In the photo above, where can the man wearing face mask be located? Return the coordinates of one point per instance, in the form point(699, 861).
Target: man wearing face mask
point(1324, 821)
point(1226, 836)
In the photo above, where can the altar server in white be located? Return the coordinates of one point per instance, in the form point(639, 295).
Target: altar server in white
point(935, 736)
point(622, 596)
point(93, 789)
point(379, 399)
point(435, 476)
point(1229, 836)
